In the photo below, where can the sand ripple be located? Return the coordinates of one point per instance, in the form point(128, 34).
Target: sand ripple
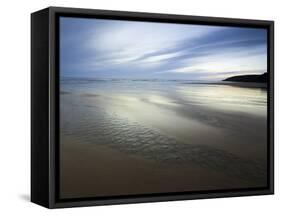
point(94, 125)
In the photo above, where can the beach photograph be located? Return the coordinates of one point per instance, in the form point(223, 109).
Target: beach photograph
point(148, 108)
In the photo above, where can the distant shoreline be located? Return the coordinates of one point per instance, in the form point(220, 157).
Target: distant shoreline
point(237, 84)
point(252, 78)
point(246, 84)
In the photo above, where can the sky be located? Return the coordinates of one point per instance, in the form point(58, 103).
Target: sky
point(99, 48)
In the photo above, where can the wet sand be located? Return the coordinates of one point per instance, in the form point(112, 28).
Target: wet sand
point(94, 170)
point(136, 142)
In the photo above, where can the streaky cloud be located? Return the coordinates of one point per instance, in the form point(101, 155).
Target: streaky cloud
point(129, 49)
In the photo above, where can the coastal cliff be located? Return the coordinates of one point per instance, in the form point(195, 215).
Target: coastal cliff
point(248, 78)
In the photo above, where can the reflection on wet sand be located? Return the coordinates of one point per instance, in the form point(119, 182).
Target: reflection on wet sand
point(174, 130)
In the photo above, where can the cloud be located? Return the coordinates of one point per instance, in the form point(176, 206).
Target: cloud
point(127, 49)
point(235, 60)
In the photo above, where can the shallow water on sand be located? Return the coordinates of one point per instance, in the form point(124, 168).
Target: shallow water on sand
point(173, 123)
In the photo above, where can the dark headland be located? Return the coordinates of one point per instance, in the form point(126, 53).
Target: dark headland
point(248, 78)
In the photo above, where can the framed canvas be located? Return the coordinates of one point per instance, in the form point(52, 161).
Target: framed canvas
point(138, 107)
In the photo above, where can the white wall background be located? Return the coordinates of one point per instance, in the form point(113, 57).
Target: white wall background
point(15, 107)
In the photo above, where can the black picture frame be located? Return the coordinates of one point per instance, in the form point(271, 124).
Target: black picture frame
point(45, 106)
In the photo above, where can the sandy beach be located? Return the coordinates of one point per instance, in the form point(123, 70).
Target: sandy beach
point(125, 137)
